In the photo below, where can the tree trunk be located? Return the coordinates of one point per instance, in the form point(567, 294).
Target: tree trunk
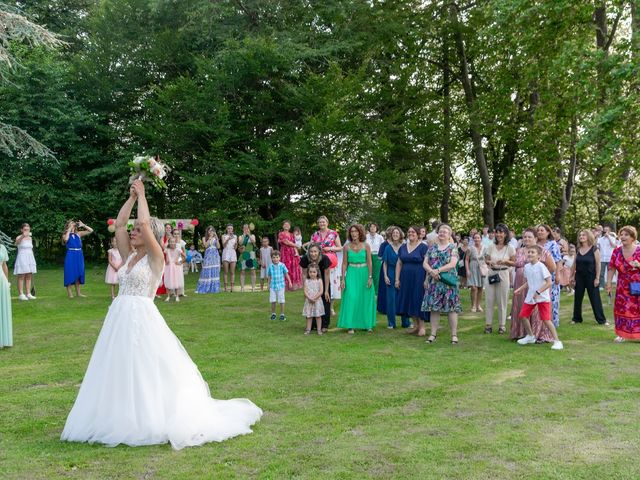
point(446, 128)
point(474, 118)
point(567, 192)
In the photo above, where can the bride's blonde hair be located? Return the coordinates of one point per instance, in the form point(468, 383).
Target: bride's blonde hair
point(157, 227)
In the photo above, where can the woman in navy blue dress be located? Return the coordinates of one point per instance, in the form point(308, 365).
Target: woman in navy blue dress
point(74, 259)
point(410, 276)
point(387, 285)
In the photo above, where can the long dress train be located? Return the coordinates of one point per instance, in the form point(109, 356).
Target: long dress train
point(141, 387)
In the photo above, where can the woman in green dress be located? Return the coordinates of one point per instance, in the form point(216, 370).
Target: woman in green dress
point(6, 334)
point(247, 256)
point(358, 307)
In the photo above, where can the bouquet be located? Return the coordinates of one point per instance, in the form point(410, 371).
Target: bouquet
point(148, 168)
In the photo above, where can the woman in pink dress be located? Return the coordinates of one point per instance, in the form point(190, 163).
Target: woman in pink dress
point(517, 330)
point(290, 255)
point(626, 309)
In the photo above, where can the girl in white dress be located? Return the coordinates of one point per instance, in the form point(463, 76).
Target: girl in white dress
point(313, 307)
point(25, 265)
point(229, 257)
point(141, 387)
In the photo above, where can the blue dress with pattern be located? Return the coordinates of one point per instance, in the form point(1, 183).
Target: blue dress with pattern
point(74, 261)
point(438, 296)
point(209, 281)
point(554, 250)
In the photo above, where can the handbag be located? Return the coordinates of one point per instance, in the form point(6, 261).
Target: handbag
point(449, 278)
point(493, 279)
point(634, 288)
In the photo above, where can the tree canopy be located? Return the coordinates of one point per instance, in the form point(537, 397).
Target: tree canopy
point(399, 111)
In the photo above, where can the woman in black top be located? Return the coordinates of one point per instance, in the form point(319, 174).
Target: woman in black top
point(315, 255)
point(585, 274)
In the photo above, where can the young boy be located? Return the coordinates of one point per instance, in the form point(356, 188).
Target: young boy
point(276, 275)
point(537, 285)
point(194, 257)
point(265, 260)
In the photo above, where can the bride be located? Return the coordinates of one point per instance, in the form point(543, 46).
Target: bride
point(141, 387)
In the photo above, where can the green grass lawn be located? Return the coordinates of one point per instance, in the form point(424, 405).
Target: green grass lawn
point(382, 405)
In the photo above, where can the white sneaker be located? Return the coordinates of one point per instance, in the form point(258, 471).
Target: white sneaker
point(557, 345)
point(527, 340)
point(177, 299)
point(22, 297)
point(30, 297)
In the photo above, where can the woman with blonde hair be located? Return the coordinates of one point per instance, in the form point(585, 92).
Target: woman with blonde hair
point(585, 274)
point(441, 286)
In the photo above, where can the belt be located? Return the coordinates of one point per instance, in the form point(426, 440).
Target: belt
point(499, 269)
point(75, 249)
point(358, 265)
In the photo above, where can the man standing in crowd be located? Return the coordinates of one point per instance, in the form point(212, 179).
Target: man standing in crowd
point(607, 242)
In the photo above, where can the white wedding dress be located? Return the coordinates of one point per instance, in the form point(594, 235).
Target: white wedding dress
point(141, 387)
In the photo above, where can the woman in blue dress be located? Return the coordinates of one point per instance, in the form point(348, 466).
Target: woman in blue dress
point(387, 285)
point(410, 276)
point(209, 281)
point(74, 259)
point(546, 241)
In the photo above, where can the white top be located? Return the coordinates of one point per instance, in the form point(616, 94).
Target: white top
point(486, 241)
point(298, 239)
point(536, 274)
point(375, 241)
point(568, 260)
point(265, 257)
point(505, 253)
point(513, 243)
point(606, 248)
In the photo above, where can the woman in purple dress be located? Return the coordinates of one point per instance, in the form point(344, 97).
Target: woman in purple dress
point(74, 259)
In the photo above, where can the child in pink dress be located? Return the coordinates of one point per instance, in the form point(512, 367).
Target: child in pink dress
point(115, 262)
point(173, 272)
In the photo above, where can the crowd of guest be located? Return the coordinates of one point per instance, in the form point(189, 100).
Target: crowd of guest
point(414, 274)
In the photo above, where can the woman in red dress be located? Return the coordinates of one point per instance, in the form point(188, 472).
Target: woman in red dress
point(626, 310)
point(290, 255)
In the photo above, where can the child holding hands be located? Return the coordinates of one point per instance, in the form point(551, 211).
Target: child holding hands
point(313, 306)
point(537, 285)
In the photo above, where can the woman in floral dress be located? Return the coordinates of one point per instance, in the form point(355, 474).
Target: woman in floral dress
point(626, 261)
point(439, 297)
point(546, 241)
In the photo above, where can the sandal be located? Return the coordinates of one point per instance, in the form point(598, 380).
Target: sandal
point(488, 329)
point(502, 330)
point(307, 332)
point(431, 339)
point(351, 331)
point(454, 339)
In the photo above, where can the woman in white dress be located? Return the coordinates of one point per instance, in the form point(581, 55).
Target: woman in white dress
point(141, 387)
point(25, 265)
point(229, 257)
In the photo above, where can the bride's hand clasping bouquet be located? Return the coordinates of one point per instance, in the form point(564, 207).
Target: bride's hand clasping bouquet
point(148, 169)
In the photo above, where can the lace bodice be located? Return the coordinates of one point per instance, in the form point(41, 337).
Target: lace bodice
point(140, 281)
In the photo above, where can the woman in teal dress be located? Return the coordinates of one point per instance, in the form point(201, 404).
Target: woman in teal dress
point(358, 307)
point(6, 334)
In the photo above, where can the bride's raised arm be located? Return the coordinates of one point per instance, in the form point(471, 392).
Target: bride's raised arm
point(154, 250)
point(122, 236)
